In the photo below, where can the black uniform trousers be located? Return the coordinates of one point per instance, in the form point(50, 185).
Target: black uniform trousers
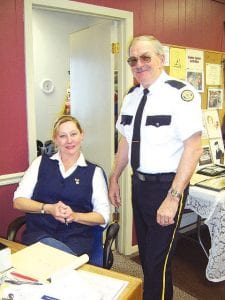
point(155, 242)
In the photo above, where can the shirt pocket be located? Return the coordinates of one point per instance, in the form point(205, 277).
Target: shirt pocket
point(159, 129)
point(158, 121)
point(126, 119)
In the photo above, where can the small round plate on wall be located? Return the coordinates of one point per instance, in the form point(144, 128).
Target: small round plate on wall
point(47, 86)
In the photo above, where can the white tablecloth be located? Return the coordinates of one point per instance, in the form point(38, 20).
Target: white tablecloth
point(211, 206)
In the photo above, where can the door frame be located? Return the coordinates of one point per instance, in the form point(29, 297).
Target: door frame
point(125, 20)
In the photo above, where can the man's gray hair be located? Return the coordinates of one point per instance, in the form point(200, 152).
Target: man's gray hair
point(157, 46)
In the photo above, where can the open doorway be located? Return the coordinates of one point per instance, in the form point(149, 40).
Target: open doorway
point(67, 56)
point(92, 15)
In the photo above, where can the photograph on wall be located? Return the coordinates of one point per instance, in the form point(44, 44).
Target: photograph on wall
point(195, 78)
point(206, 157)
point(215, 98)
point(212, 123)
point(217, 150)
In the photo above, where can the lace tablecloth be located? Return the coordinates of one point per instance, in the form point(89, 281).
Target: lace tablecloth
point(211, 206)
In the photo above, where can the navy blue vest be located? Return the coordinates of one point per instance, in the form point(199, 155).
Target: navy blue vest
point(75, 191)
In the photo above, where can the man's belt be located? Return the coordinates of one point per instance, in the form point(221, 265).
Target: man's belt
point(160, 177)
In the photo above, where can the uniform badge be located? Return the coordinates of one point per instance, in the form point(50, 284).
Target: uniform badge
point(187, 95)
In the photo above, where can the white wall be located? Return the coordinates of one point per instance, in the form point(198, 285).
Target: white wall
point(51, 60)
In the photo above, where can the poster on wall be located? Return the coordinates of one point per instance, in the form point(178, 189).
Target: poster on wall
point(195, 60)
point(195, 68)
point(178, 63)
point(214, 74)
point(212, 123)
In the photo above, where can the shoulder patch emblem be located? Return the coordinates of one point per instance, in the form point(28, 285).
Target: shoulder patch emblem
point(176, 84)
point(133, 88)
point(187, 95)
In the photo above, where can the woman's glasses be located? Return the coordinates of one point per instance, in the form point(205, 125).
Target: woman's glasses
point(132, 61)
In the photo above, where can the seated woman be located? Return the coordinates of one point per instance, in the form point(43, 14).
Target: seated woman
point(64, 196)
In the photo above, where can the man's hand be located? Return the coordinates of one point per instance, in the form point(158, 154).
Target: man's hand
point(114, 193)
point(167, 211)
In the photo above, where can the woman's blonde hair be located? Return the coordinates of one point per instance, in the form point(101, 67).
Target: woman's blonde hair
point(62, 119)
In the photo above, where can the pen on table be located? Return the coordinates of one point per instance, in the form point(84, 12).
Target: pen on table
point(16, 274)
point(19, 282)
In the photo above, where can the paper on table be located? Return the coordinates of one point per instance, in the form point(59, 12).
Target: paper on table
point(66, 289)
point(41, 261)
point(110, 288)
point(88, 285)
point(79, 285)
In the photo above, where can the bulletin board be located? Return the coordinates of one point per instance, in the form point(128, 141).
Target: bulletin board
point(210, 59)
point(205, 70)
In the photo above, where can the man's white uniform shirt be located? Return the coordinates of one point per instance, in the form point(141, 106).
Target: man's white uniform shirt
point(171, 115)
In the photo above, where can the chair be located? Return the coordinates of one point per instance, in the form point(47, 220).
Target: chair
point(49, 147)
point(111, 235)
point(39, 145)
point(96, 258)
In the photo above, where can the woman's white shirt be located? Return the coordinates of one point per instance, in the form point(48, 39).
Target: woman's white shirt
point(100, 198)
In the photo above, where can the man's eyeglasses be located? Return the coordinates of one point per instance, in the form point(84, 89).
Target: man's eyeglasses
point(132, 61)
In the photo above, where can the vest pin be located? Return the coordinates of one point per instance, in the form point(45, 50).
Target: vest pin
point(77, 180)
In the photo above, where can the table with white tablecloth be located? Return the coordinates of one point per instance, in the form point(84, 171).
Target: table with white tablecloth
point(210, 205)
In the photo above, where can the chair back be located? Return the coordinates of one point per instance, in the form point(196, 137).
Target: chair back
point(96, 257)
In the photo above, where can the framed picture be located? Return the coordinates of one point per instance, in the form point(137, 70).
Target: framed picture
point(217, 150)
point(215, 98)
point(206, 157)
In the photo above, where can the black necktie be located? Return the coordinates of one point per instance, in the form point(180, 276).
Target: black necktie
point(135, 147)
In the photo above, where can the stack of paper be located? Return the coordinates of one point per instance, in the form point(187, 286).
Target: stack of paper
point(41, 261)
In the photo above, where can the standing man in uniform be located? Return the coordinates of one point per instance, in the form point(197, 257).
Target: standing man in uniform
point(160, 123)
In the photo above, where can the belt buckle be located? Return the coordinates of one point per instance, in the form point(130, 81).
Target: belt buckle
point(141, 177)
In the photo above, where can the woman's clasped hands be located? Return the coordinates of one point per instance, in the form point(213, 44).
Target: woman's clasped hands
point(63, 212)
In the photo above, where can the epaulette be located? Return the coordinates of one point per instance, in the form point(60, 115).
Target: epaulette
point(176, 84)
point(133, 88)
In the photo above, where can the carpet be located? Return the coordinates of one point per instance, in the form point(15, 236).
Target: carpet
point(188, 267)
